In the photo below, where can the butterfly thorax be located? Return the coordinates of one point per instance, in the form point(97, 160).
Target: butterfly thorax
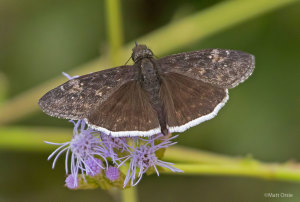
point(149, 77)
point(148, 73)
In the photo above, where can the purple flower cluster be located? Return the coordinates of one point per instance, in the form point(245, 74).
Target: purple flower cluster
point(142, 157)
point(112, 173)
point(85, 153)
point(90, 150)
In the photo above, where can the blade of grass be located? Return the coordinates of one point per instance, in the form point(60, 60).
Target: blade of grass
point(164, 40)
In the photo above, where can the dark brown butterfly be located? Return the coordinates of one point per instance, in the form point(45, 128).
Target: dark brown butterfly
point(170, 94)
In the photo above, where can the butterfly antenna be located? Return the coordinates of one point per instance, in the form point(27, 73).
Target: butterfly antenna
point(128, 60)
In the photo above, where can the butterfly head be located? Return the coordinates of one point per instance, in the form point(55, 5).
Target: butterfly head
point(141, 51)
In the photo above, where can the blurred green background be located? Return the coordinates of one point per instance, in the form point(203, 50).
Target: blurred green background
point(40, 39)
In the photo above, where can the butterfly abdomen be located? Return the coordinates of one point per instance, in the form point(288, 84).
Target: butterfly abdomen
point(150, 82)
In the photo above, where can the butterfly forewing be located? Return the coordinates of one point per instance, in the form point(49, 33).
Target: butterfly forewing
point(153, 96)
point(188, 102)
point(222, 68)
point(127, 111)
point(77, 98)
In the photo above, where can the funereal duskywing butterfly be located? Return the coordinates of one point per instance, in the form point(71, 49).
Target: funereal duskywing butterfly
point(170, 94)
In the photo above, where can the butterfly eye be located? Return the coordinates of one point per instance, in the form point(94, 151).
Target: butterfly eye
point(136, 56)
point(148, 53)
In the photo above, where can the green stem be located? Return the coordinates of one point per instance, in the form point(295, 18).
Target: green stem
point(283, 172)
point(189, 155)
point(114, 28)
point(207, 163)
point(130, 195)
point(162, 41)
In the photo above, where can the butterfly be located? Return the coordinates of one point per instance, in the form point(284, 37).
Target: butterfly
point(151, 96)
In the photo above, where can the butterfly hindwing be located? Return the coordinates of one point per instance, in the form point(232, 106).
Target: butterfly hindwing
point(222, 68)
point(188, 102)
point(127, 111)
point(76, 98)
